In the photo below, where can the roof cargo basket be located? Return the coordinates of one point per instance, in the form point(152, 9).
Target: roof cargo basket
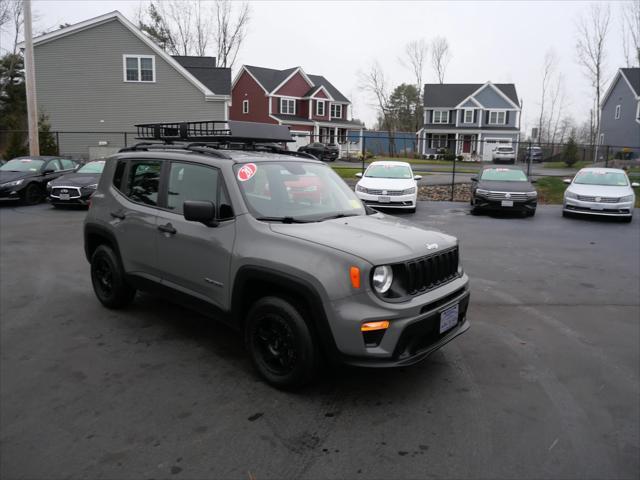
point(217, 131)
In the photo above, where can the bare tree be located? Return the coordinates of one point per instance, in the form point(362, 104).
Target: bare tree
point(11, 21)
point(592, 30)
point(550, 63)
point(415, 57)
point(231, 32)
point(440, 56)
point(374, 82)
point(630, 13)
point(5, 12)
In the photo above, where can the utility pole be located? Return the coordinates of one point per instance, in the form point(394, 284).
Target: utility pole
point(30, 74)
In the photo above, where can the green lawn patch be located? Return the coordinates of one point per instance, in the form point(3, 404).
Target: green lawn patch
point(346, 172)
point(575, 166)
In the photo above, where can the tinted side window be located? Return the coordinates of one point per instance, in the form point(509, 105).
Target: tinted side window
point(144, 181)
point(119, 173)
point(67, 164)
point(191, 182)
point(53, 165)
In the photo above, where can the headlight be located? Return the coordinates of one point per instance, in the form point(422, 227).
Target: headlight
point(49, 185)
point(92, 186)
point(532, 194)
point(361, 189)
point(382, 278)
point(409, 191)
point(481, 191)
point(628, 198)
point(568, 194)
point(15, 183)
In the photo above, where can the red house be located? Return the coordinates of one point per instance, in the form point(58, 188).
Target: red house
point(310, 105)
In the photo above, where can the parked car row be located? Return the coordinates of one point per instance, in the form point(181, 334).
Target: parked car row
point(63, 181)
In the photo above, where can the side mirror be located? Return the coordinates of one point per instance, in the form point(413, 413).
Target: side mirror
point(359, 174)
point(199, 211)
point(567, 180)
point(417, 177)
point(474, 179)
point(533, 180)
point(635, 184)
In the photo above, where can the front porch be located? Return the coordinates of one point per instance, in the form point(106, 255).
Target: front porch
point(440, 144)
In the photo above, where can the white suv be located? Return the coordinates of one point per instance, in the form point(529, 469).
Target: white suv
point(389, 184)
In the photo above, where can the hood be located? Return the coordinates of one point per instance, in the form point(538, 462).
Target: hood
point(387, 183)
point(378, 239)
point(6, 176)
point(77, 179)
point(505, 186)
point(600, 190)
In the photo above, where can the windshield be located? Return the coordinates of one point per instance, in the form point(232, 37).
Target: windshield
point(612, 179)
point(388, 171)
point(504, 175)
point(505, 149)
point(295, 191)
point(22, 165)
point(92, 167)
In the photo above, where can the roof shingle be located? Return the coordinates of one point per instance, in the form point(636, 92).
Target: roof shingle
point(218, 80)
point(451, 94)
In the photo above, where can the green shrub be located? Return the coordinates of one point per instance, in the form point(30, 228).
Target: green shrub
point(459, 158)
point(16, 145)
point(570, 152)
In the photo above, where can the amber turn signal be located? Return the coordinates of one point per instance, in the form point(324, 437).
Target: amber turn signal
point(354, 273)
point(369, 326)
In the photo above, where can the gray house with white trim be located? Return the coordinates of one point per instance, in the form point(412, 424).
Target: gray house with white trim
point(620, 113)
point(469, 119)
point(104, 75)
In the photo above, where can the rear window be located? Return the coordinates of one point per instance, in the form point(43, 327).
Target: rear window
point(505, 149)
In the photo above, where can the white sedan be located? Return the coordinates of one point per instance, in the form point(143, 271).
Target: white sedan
point(389, 184)
point(600, 191)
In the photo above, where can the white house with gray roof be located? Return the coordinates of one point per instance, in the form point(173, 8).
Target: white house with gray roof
point(469, 119)
point(620, 113)
point(104, 75)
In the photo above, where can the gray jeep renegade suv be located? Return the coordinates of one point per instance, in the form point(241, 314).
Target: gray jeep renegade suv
point(278, 246)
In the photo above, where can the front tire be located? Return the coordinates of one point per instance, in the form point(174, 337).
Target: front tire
point(32, 194)
point(108, 279)
point(280, 343)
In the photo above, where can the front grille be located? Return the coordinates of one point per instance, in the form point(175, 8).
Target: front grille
point(391, 193)
point(503, 196)
point(429, 272)
point(588, 198)
point(73, 192)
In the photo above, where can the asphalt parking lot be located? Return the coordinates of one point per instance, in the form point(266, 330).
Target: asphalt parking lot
point(545, 384)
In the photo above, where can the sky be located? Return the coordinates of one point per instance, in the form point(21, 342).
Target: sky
point(500, 41)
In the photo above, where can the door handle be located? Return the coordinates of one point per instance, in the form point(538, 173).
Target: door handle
point(119, 214)
point(168, 228)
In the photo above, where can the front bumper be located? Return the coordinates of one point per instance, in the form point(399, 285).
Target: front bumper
point(76, 196)
point(496, 205)
point(413, 331)
point(621, 209)
point(396, 201)
point(11, 193)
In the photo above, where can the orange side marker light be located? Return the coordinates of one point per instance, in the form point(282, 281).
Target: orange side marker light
point(369, 326)
point(354, 273)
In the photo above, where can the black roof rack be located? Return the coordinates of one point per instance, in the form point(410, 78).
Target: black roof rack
point(217, 131)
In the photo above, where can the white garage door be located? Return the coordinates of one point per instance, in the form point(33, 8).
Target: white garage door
point(301, 139)
point(489, 144)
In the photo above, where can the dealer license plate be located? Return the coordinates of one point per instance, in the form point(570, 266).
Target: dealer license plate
point(384, 199)
point(64, 196)
point(507, 203)
point(597, 207)
point(449, 318)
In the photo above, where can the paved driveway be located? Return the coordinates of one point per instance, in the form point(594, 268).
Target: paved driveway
point(544, 385)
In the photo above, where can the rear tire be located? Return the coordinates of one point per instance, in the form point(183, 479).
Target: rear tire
point(280, 343)
point(108, 279)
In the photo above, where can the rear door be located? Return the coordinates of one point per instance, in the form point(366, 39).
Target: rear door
point(133, 215)
point(195, 258)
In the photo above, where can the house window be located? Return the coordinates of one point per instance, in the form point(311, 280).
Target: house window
point(245, 106)
point(497, 118)
point(468, 116)
point(617, 116)
point(288, 106)
point(602, 139)
point(438, 141)
point(139, 68)
point(320, 108)
point(441, 116)
point(336, 111)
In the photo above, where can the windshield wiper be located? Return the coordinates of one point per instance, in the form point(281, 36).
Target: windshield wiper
point(283, 219)
point(337, 215)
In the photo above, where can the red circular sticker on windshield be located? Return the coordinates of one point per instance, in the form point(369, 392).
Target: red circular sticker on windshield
point(247, 171)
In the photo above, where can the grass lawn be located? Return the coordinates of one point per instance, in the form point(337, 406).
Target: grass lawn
point(345, 172)
point(576, 166)
point(551, 190)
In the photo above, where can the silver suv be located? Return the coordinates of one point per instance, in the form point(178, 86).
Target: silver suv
point(277, 245)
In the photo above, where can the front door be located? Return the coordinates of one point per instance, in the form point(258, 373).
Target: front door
point(466, 144)
point(195, 258)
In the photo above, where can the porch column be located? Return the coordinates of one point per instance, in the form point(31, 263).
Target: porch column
point(335, 135)
point(455, 150)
